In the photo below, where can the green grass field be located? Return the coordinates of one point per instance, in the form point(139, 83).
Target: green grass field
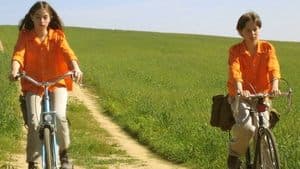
point(10, 123)
point(158, 87)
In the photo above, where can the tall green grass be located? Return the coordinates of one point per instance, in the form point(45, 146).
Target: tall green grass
point(10, 119)
point(158, 87)
point(287, 132)
point(91, 146)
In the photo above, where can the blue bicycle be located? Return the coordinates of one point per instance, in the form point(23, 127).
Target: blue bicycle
point(47, 126)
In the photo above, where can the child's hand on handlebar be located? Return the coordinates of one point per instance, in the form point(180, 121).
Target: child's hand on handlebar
point(15, 68)
point(14, 75)
point(275, 89)
point(244, 93)
point(275, 92)
point(77, 75)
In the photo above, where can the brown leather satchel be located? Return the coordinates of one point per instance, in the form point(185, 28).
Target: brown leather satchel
point(221, 113)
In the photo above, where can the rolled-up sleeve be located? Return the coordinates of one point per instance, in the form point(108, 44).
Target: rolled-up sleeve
point(273, 64)
point(234, 67)
point(67, 52)
point(19, 50)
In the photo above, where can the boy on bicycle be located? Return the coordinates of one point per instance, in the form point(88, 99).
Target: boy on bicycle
point(253, 68)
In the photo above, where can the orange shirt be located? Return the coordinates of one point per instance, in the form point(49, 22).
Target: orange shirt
point(45, 60)
point(255, 72)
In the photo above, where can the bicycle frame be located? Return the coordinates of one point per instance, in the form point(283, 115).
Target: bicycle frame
point(48, 118)
point(49, 121)
point(258, 107)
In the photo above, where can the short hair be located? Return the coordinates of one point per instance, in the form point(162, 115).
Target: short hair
point(249, 16)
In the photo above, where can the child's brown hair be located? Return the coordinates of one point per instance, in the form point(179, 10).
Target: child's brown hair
point(55, 22)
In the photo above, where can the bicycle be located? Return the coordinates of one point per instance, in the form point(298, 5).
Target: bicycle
point(47, 126)
point(264, 153)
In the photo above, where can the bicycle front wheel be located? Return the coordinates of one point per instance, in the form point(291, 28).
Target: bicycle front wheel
point(266, 154)
point(48, 149)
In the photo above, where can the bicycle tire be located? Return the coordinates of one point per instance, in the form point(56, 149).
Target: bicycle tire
point(48, 149)
point(266, 154)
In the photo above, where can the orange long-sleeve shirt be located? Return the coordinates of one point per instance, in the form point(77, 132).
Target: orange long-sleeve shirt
point(44, 60)
point(255, 72)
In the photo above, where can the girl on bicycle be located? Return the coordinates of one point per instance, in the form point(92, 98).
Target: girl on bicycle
point(43, 52)
point(253, 68)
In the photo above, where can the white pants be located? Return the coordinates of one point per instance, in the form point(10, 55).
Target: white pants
point(245, 127)
point(58, 100)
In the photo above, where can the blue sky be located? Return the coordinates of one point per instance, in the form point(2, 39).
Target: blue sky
point(210, 17)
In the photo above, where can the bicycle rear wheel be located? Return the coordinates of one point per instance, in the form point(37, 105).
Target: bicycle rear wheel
point(266, 155)
point(48, 149)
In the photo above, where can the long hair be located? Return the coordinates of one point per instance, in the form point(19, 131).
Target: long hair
point(55, 22)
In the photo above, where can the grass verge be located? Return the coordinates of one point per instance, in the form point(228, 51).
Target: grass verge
point(91, 146)
point(10, 119)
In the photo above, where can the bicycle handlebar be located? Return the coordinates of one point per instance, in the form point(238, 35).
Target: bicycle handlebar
point(44, 84)
point(262, 95)
point(288, 94)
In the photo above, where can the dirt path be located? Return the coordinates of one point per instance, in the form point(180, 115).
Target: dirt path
point(18, 161)
point(147, 159)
